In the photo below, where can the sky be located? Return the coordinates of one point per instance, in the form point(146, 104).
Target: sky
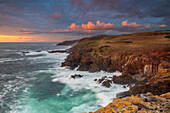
point(58, 20)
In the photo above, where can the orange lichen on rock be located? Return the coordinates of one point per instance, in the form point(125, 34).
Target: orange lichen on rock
point(143, 103)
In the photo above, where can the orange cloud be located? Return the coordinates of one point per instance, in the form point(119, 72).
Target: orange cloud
point(163, 25)
point(92, 26)
point(124, 23)
point(73, 26)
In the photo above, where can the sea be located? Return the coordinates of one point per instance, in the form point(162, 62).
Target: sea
point(35, 82)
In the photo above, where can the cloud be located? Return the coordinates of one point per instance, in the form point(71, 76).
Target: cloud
point(91, 26)
point(124, 23)
point(56, 15)
point(163, 25)
point(73, 26)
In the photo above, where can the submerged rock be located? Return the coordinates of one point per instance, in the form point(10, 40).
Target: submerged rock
point(25, 52)
point(58, 51)
point(76, 76)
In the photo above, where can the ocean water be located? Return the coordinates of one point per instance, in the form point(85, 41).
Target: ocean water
point(35, 82)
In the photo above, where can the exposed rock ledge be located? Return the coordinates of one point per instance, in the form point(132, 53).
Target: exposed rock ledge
point(142, 103)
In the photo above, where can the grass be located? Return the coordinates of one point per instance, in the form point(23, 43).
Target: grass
point(129, 43)
point(99, 37)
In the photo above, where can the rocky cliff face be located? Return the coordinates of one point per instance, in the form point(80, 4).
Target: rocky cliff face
point(143, 103)
point(142, 58)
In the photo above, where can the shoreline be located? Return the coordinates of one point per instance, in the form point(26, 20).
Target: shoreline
point(138, 56)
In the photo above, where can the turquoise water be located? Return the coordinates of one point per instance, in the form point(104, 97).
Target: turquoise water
point(35, 83)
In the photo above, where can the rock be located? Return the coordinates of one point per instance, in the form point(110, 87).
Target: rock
point(148, 70)
point(123, 94)
point(124, 86)
point(139, 77)
point(25, 52)
point(107, 83)
point(136, 104)
point(76, 76)
point(123, 79)
point(164, 67)
point(101, 80)
point(156, 85)
point(69, 42)
point(58, 51)
point(38, 51)
point(95, 79)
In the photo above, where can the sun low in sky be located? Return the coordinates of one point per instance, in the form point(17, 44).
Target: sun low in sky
point(58, 20)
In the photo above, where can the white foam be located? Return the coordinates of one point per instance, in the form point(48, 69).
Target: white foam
point(104, 95)
point(62, 74)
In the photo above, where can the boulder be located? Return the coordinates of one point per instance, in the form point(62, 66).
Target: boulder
point(76, 76)
point(107, 83)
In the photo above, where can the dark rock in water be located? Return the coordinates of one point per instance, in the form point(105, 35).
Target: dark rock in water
point(95, 79)
point(38, 51)
point(107, 83)
point(101, 80)
point(69, 42)
point(58, 51)
point(25, 52)
point(76, 76)
point(124, 86)
point(123, 94)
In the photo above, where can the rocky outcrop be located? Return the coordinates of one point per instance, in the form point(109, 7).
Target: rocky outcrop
point(144, 62)
point(76, 76)
point(69, 42)
point(137, 68)
point(157, 84)
point(58, 51)
point(143, 103)
point(104, 81)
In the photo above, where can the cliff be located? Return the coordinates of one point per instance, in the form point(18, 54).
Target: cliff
point(143, 59)
point(68, 42)
point(143, 103)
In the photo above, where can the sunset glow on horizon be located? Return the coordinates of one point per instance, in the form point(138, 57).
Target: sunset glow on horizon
point(54, 20)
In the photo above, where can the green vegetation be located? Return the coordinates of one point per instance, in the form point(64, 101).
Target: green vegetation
point(90, 42)
point(99, 37)
point(127, 44)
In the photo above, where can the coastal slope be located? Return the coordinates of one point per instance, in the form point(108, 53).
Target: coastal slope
point(143, 59)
